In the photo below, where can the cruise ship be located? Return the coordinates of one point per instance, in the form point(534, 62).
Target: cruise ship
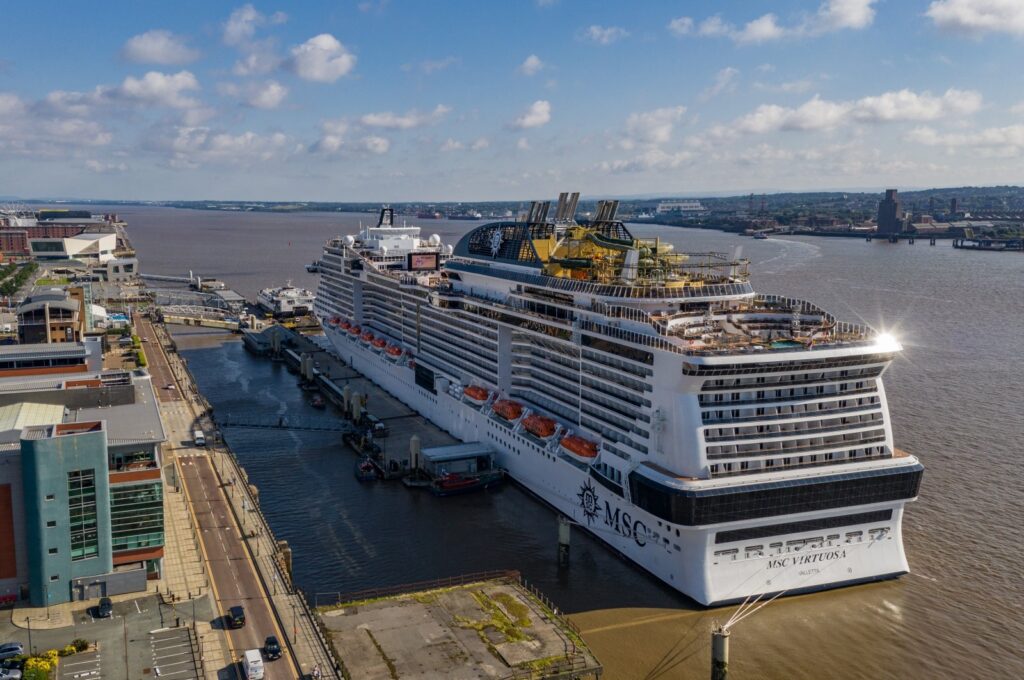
point(729, 442)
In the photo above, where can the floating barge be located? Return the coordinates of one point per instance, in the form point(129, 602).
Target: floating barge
point(459, 468)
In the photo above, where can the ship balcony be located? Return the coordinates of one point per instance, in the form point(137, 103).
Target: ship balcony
point(805, 449)
point(715, 422)
point(779, 435)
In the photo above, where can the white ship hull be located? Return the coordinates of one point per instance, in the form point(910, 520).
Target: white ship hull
point(686, 558)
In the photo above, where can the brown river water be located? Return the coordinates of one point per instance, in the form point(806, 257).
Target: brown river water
point(956, 400)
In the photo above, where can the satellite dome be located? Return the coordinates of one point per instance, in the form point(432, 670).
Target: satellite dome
point(435, 240)
point(449, 249)
point(350, 240)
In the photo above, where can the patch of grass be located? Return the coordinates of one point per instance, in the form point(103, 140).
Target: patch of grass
point(514, 608)
point(496, 619)
point(52, 281)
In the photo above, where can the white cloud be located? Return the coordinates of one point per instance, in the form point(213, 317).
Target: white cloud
point(531, 66)
point(1008, 139)
point(523, 144)
point(725, 81)
point(375, 144)
point(788, 87)
point(158, 47)
point(681, 26)
point(820, 114)
point(192, 146)
point(651, 159)
point(831, 16)
point(241, 26)
point(452, 145)
point(407, 121)
point(537, 115)
point(11, 104)
point(1017, 108)
point(332, 136)
point(260, 59)
point(268, 95)
point(322, 59)
point(104, 167)
point(603, 35)
point(765, 68)
point(479, 144)
point(975, 17)
point(652, 127)
point(41, 129)
point(162, 89)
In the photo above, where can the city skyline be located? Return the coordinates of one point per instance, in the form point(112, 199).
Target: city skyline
point(369, 101)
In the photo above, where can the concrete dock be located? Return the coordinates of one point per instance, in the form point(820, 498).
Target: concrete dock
point(472, 627)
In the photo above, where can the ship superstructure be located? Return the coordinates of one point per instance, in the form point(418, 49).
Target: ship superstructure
point(285, 301)
point(729, 442)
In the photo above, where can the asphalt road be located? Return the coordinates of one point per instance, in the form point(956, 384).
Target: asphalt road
point(158, 368)
point(233, 576)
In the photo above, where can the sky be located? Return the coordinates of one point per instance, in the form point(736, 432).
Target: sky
point(405, 100)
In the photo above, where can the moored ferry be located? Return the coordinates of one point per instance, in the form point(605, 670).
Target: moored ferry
point(729, 442)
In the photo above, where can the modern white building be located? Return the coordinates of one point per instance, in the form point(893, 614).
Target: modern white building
point(94, 247)
point(685, 206)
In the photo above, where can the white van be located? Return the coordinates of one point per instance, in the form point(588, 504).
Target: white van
point(252, 664)
point(199, 437)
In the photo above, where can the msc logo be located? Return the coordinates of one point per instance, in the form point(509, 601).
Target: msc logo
point(588, 501)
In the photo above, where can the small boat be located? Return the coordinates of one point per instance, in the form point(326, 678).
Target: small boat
point(366, 337)
point(394, 351)
point(579, 448)
point(365, 470)
point(317, 402)
point(379, 344)
point(454, 483)
point(354, 330)
point(476, 394)
point(760, 235)
point(539, 426)
point(313, 267)
point(508, 409)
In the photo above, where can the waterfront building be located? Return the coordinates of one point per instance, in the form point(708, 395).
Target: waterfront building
point(890, 216)
point(688, 207)
point(50, 315)
point(730, 442)
point(81, 492)
point(88, 247)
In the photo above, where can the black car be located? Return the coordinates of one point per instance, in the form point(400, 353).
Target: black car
point(272, 648)
point(236, 617)
point(105, 608)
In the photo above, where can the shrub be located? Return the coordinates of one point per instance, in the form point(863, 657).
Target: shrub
point(140, 359)
point(80, 644)
point(67, 650)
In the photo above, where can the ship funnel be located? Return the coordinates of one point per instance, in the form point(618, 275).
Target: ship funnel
point(387, 217)
point(538, 212)
point(566, 211)
point(606, 211)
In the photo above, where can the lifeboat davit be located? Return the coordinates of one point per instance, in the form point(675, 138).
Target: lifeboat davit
point(394, 351)
point(379, 344)
point(354, 331)
point(580, 448)
point(366, 337)
point(345, 325)
point(508, 409)
point(476, 394)
point(539, 426)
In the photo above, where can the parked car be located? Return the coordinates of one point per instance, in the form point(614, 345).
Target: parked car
point(9, 650)
point(105, 609)
point(236, 617)
point(10, 674)
point(272, 648)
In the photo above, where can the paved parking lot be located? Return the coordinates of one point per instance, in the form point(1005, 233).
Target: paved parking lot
point(174, 654)
point(85, 666)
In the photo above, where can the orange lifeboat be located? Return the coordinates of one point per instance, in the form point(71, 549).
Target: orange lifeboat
point(379, 344)
point(579, 447)
point(345, 325)
point(508, 409)
point(476, 394)
point(354, 331)
point(366, 337)
point(334, 321)
point(394, 351)
point(539, 426)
